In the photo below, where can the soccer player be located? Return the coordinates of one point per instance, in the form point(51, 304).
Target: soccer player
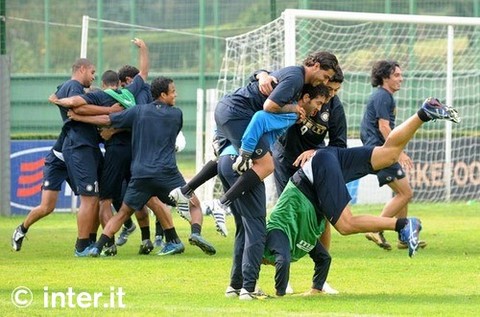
point(318, 191)
point(235, 110)
point(377, 123)
point(250, 211)
point(127, 75)
point(309, 136)
point(82, 158)
point(155, 127)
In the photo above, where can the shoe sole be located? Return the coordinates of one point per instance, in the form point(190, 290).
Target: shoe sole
point(421, 245)
point(381, 245)
point(207, 249)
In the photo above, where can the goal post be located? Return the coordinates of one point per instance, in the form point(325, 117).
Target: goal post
point(439, 56)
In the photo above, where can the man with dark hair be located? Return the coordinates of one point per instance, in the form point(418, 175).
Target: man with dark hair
point(155, 127)
point(55, 170)
point(377, 123)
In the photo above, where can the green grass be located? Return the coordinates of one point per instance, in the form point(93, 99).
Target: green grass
point(442, 280)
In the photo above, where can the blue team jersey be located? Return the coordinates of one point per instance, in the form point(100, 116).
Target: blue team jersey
point(141, 90)
point(59, 142)
point(380, 105)
point(311, 134)
point(68, 89)
point(154, 128)
point(288, 90)
point(78, 133)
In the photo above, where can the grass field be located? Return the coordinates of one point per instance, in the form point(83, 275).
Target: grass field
point(442, 280)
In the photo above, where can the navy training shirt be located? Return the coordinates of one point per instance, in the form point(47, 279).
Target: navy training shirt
point(288, 90)
point(79, 133)
point(155, 127)
point(141, 90)
point(101, 98)
point(380, 105)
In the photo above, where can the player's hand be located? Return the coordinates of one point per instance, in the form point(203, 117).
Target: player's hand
point(107, 133)
point(405, 161)
point(72, 115)
point(302, 114)
point(53, 98)
point(138, 42)
point(304, 157)
point(243, 162)
point(266, 83)
point(116, 108)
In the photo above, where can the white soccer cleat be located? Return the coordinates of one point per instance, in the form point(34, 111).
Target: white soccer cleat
point(219, 213)
point(289, 289)
point(183, 210)
point(177, 195)
point(327, 289)
point(232, 292)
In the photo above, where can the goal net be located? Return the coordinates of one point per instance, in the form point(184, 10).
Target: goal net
point(439, 56)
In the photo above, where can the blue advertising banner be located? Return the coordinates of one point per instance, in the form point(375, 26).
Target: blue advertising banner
point(26, 160)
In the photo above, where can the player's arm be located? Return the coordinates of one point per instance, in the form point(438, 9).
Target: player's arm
point(107, 133)
point(93, 110)
point(101, 120)
point(143, 58)
point(272, 106)
point(266, 82)
point(69, 102)
point(384, 127)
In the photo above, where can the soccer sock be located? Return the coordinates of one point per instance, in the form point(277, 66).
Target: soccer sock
point(22, 227)
point(110, 242)
point(208, 171)
point(128, 223)
point(145, 232)
point(93, 237)
point(249, 179)
point(102, 241)
point(196, 228)
point(81, 244)
point(158, 229)
point(400, 224)
point(422, 115)
point(171, 235)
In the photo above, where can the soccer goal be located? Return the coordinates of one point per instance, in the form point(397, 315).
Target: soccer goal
point(439, 56)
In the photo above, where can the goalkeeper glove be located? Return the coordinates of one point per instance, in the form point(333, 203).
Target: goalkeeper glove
point(243, 162)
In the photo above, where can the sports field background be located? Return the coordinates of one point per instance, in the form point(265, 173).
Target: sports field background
point(441, 280)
